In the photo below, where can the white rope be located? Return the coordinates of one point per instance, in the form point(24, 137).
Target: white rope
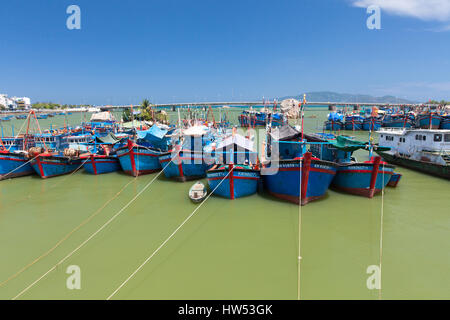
point(299, 258)
point(167, 240)
point(20, 130)
point(381, 230)
point(5, 175)
point(87, 240)
point(66, 236)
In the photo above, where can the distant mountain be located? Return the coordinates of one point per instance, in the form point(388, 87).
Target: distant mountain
point(327, 96)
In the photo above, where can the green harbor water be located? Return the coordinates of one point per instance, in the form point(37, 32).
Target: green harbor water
point(241, 249)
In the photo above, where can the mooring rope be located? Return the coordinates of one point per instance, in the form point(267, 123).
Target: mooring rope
point(53, 186)
point(66, 236)
point(167, 240)
point(70, 174)
point(17, 135)
point(91, 236)
point(5, 175)
point(299, 258)
point(381, 231)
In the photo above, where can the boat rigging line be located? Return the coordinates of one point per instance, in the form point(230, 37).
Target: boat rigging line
point(7, 174)
point(381, 232)
point(167, 240)
point(299, 259)
point(91, 236)
point(66, 236)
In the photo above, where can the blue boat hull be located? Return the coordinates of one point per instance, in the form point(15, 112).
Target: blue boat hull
point(14, 165)
point(47, 166)
point(98, 164)
point(371, 124)
point(398, 124)
point(312, 177)
point(239, 183)
point(257, 121)
point(353, 124)
point(363, 179)
point(334, 125)
point(136, 160)
point(395, 179)
point(429, 121)
point(187, 165)
point(445, 123)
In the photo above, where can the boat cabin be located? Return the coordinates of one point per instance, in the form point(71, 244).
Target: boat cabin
point(409, 141)
point(236, 149)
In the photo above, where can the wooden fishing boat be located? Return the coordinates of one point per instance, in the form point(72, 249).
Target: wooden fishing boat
point(334, 122)
point(299, 180)
point(291, 173)
point(359, 178)
point(251, 118)
point(99, 164)
point(445, 122)
point(364, 179)
point(198, 192)
point(233, 181)
point(6, 118)
point(394, 180)
point(353, 122)
point(188, 160)
point(284, 142)
point(138, 159)
point(372, 123)
point(184, 165)
point(398, 121)
point(14, 164)
point(430, 120)
point(14, 157)
point(48, 165)
point(236, 173)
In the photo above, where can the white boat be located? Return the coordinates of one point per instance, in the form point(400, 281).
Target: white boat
point(419, 149)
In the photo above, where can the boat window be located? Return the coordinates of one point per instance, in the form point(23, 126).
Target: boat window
point(447, 138)
point(424, 138)
point(438, 137)
point(417, 137)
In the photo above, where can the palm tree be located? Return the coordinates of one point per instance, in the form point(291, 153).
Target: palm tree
point(146, 110)
point(145, 103)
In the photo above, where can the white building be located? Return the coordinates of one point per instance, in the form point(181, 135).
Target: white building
point(15, 102)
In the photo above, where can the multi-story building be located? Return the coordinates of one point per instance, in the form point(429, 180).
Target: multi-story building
point(15, 102)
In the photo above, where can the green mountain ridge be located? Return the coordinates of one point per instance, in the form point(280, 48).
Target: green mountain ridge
point(328, 96)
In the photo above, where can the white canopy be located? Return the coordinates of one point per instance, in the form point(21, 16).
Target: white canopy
point(102, 116)
point(195, 131)
point(238, 140)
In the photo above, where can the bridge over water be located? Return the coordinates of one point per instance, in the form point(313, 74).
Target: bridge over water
point(266, 103)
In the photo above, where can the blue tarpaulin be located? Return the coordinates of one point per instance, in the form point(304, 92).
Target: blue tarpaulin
point(152, 134)
point(155, 136)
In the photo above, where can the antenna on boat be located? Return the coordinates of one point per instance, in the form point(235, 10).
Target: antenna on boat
point(301, 111)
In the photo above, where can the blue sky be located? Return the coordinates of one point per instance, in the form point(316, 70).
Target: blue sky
point(174, 51)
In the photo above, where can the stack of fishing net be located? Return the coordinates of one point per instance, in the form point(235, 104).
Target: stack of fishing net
point(290, 108)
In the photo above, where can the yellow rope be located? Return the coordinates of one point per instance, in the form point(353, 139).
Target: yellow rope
point(64, 238)
point(167, 240)
point(5, 175)
point(92, 235)
point(299, 258)
point(381, 232)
